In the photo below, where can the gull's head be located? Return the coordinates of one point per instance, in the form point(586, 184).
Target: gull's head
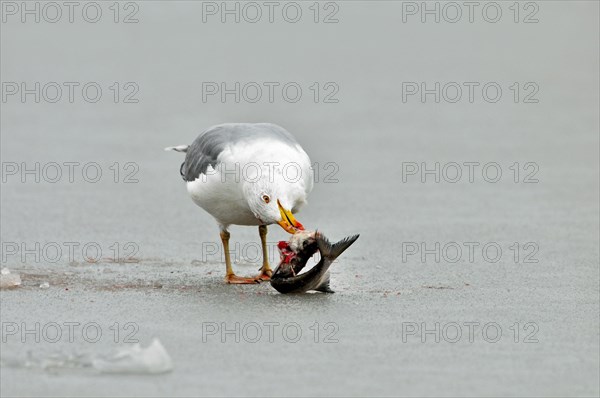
point(271, 203)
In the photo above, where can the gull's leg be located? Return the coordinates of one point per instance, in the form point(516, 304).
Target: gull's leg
point(230, 277)
point(265, 270)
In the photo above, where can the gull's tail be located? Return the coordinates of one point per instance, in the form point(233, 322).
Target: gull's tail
point(179, 148)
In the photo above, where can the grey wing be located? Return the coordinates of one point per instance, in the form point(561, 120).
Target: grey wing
point(203, 152)
point(206, 149)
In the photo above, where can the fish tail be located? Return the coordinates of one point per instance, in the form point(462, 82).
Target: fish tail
point(333, 251)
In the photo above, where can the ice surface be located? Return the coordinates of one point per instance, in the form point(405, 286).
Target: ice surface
point(369, 134)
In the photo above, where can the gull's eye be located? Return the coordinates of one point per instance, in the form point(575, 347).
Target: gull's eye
point(266, 198)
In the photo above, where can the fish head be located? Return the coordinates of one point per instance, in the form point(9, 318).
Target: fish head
point(295, 253)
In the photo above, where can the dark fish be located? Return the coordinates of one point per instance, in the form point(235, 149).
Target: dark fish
point(286, 277)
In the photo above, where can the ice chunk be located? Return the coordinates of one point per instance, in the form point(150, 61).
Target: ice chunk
point(8, 280)
point(136, 360)
point(127, 360)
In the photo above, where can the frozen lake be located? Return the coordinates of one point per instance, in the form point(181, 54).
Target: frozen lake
point(466, 154)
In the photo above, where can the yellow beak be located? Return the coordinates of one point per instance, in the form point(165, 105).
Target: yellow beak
point(288, 222)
